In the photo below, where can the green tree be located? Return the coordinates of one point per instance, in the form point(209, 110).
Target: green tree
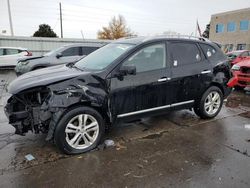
point(116, 29)
point(205, 34)
point(44, 31)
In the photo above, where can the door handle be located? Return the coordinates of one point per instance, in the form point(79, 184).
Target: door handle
point(206, 71)
point(164, 79)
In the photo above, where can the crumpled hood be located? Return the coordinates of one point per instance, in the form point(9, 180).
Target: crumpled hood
point(30, 58)
point(43, 77)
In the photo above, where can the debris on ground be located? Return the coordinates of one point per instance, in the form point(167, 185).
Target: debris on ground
point(154, 161)
point(115, 160)
point(145, 160)
point(109, 143)
point(135, 176)
point(140, 166)
point(119, 146)
point(126, 174)
point(248, 140)
point(218, 160)
point(101, 146)
point(29, 157)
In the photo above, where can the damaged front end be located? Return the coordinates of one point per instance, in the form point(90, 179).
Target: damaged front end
point(25, 113)
point(39, 109)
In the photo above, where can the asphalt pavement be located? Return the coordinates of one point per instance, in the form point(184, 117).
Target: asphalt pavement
point(173, 150)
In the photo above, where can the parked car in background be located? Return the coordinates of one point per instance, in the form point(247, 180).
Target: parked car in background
point(241, 72)
point(122, 81)
point(65, 54)
point(237, 56)
point(9, 56)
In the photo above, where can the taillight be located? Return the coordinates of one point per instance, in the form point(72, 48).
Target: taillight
point(28, 53)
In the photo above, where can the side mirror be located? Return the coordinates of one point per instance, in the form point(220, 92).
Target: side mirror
point(58, 55)
point(128, 69)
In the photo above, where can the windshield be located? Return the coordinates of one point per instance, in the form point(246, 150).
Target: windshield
point(53, 51)
point(103, 57)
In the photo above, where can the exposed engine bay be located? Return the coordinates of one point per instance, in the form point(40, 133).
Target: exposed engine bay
point(26, 113)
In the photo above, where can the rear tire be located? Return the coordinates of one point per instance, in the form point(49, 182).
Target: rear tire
point(80, 130)
point(209, 105)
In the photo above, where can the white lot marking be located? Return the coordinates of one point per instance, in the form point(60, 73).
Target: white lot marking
point(247, 126)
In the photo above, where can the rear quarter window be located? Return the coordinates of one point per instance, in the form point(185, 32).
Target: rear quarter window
point(212, 53)
point(9, 51)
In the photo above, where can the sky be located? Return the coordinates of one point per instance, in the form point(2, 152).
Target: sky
point(143, 17)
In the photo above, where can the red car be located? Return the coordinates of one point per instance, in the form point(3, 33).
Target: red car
point(237, 56)
point(241, 72)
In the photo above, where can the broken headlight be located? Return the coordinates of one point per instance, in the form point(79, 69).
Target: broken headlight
point(24, 62)
point(236, 67)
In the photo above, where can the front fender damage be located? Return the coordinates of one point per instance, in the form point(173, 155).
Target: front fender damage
point(45, 113)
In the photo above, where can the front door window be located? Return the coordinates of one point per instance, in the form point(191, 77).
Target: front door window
point(148, 59)
point(148, 88)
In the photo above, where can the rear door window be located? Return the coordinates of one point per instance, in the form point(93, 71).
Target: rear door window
point(87, 50)
point(1, 52)
point(11, 51)
point(184, 53)
point(73, 51)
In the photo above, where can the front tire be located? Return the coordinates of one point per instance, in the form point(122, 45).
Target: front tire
point(80, 130)
point(210, 103)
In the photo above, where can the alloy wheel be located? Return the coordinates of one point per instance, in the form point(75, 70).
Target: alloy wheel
point(212, 103)
point(82, 131)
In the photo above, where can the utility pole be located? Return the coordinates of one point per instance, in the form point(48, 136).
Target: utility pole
point(82, 34)
point(196, 27)
point(60, 6)
point(10, 19)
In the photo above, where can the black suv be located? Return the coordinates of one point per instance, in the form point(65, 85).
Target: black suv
point(124, 80)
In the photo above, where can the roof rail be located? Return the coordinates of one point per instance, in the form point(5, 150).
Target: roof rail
point(181, 36)
point(128, 37)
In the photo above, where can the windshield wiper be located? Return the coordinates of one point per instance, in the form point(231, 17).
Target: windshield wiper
point(72, 65)
point(77, 67)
